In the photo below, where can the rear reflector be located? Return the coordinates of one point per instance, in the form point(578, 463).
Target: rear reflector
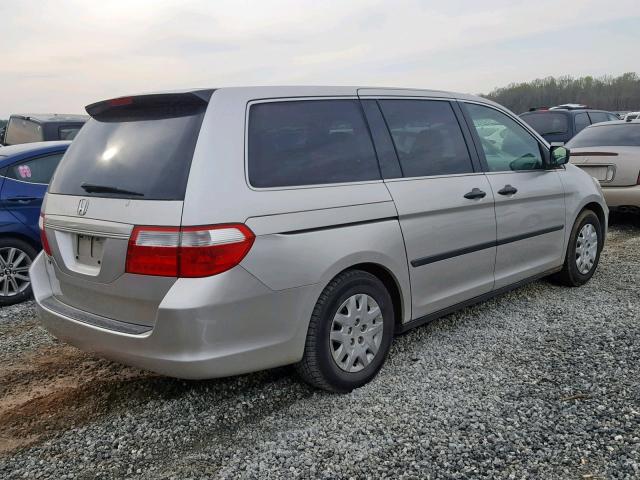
point(187, 251)
point(43, 235)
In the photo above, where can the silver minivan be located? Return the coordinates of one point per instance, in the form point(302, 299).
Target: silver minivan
point(208, 233)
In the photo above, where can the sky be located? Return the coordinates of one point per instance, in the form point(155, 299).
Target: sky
point(58, 56)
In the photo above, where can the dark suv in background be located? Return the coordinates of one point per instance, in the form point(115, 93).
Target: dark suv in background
point(40, 127)
point(561, 123)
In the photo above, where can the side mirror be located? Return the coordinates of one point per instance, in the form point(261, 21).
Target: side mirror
point(559, 155)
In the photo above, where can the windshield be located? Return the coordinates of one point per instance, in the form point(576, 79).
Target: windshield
point(619, 135)
point(547, 123)
point(142, 154)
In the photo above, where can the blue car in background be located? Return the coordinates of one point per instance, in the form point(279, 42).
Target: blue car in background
point(25, 172)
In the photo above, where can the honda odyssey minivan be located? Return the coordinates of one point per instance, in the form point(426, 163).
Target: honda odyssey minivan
point(208, 233)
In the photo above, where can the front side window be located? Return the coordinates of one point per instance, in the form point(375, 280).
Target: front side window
point(20, 130)
point(513, 150)
point(582, 121)
point(597, 117)
point(427, 137)
point(38, 170)
point(309, 142)
point(68, 133)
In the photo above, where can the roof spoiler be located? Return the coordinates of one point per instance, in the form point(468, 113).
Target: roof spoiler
point(151, 106)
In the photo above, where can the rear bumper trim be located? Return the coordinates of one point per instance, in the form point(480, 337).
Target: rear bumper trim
point(57, 307)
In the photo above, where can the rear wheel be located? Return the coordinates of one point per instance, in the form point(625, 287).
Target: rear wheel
point(349, 334)
point(583, 251)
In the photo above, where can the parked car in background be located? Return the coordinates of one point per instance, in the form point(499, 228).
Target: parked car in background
point(40, 127)
point(25, 171)
point(610, 152)
point(629, 117)
point(329, 219)
point(559, 124)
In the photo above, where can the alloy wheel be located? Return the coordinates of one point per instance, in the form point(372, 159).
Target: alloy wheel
point(14, 271)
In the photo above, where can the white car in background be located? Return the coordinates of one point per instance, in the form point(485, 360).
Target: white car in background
point(632, 116)
point(610, 152)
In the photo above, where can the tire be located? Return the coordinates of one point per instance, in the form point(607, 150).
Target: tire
point(23, 290)
point(319, 366)
point(573, 275)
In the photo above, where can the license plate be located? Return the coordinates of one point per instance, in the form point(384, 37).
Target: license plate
point(599, 173)
point(89, 249)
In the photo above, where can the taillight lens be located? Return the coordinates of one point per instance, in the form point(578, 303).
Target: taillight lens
point(43, 235)
point(187, 251)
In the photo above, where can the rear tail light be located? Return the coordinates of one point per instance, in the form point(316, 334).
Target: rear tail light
point(187, 251)
point(43, 235)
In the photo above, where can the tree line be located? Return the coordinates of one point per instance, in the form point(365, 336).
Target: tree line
point(607, 92)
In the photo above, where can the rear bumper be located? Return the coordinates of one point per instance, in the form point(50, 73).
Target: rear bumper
point(218, 326)
point(622, 196)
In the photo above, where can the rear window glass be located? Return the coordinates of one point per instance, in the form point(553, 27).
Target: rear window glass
point(547, 123)
point(20, 130)
point(138, 153)
point(309, 142)
point(618, 135)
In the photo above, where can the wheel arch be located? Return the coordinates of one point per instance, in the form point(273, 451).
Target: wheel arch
point(25, 238)
point(390, 282)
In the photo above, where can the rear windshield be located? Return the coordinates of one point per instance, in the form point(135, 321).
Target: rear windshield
point(132, 153)
point(619, 135)
point(20, 130)
point(547, 123)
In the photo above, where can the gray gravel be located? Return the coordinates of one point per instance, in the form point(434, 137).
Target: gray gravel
point(540, 383)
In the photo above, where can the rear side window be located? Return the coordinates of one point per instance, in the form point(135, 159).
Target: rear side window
point(617, 135)
point(141, 149)
point(547, 123)
point(37, 170)
point(427, 137)
point(309, 142)
point(20, 130)
point(582, 121)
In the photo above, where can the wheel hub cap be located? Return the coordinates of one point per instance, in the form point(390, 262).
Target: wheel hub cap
point(356, 333)
point(586, 248)
point(14, 271)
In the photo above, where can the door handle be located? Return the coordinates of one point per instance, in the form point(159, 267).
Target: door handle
point(475, 193)
point(21, 199)
point(508, 190)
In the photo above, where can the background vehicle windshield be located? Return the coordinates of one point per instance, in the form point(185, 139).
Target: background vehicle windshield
point(620, 135)
point(546, 123)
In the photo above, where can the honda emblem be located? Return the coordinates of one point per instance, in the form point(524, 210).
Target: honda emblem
point(83, 205)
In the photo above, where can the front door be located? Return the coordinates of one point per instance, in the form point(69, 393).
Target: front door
point(444, 204)
point(529, 199)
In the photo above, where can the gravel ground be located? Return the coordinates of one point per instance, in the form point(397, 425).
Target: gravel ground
point(539, 383)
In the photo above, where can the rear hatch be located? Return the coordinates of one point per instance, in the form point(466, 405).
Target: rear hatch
point(128, 166)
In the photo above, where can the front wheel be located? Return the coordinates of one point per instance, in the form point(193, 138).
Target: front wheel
point(583, 252)
point(349, 334)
